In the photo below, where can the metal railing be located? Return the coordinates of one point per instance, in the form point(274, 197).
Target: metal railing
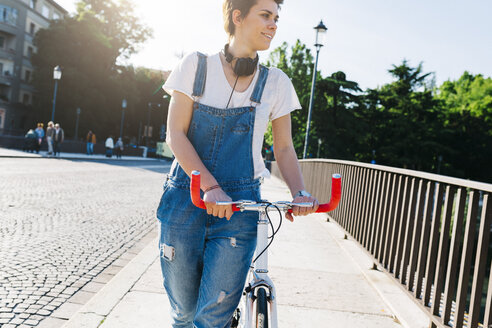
point(431, 233)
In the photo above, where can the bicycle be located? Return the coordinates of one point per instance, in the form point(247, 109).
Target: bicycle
point(259, 295)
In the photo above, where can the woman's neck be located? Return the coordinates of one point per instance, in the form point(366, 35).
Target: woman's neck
point(240, 50)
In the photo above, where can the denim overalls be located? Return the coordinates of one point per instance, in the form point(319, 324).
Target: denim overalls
point(205, 259)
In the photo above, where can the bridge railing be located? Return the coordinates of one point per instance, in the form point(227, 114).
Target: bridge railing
point(431, 233)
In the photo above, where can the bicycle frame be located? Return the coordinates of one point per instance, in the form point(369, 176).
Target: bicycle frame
point(260, 279)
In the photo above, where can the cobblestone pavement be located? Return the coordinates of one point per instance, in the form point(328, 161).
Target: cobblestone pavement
point(61, 223)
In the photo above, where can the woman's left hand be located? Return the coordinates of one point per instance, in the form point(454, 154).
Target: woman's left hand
point(301, 211)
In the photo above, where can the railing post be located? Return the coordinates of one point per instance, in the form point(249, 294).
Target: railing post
point(466, 258)
point(480, 260)
point(450, 288)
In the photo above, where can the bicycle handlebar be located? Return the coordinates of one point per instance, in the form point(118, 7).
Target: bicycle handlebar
point(336, 192)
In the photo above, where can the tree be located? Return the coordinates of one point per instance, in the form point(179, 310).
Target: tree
point(337, 86)
point(87, 47)
point(338, 139)
point(407, 128)
point(468, 119)
point(298, 65)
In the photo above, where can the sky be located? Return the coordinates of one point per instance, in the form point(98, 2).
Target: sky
point(364, 38)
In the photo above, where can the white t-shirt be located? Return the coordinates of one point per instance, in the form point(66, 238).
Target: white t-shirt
point(279, 97)
point(109, 143)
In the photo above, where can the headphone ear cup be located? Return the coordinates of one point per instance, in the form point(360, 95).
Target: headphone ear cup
point(245, 66)
point(241, 67)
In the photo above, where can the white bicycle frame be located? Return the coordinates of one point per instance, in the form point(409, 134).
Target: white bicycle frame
point(258, 274)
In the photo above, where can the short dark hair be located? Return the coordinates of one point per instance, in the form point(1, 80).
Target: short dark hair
point(243, 6)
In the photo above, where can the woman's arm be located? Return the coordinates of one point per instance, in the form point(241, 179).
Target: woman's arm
point(288, 165)
point(178, 122)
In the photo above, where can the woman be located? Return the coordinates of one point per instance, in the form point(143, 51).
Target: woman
point(218, 115)
point(40, 135)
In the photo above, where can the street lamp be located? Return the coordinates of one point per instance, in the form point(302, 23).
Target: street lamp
point(77, 123)
point(147, 134)
point(57, 73)
point(123, 106)
point(320, 32)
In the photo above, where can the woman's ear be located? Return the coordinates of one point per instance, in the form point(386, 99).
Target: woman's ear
point(236, 17)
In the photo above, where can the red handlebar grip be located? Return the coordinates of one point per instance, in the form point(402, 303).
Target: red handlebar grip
point(195, 192)
point(336, 193)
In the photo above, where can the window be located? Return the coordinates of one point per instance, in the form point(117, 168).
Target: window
point(27, 76)
point(32, 4)
point(46, 11)
point(32, 29)
point(56, 16)
point(8, 15)
point(2, 42)
point(1, 68)
point(29, 52)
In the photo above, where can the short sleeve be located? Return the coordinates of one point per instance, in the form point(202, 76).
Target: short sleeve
point(183, 76)
point(286, 99)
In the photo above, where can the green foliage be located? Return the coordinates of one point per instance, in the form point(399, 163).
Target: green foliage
point(298, 65)
point(407, 123)
point(468, 118)
point(469, 93)
point(330, 93)
point(406, 126)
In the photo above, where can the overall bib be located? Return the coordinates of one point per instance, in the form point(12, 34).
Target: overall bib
point(205, 259)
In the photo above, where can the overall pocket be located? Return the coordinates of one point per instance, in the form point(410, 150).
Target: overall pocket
point(202, 134)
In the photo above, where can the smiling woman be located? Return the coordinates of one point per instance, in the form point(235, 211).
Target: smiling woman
point(220, 108)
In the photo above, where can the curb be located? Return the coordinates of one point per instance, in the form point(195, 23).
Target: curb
point(100, 305)
point(84, 158)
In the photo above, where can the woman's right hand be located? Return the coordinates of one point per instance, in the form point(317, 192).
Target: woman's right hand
point(218, 195)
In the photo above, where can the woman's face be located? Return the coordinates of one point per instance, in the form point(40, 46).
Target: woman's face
point(258, 28)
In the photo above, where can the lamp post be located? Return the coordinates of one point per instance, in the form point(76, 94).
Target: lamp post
point(57, 73)
point(147, 134)
point(123, 106)
point(77, 123)
point(320, 31)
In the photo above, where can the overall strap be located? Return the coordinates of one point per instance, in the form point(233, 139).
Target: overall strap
point(200, 76)
point(260, 85)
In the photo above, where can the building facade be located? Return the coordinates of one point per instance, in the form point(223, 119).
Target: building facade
point(19, 22)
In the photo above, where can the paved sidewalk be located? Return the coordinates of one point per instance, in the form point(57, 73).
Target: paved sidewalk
point(14, 153)
point(322, 280)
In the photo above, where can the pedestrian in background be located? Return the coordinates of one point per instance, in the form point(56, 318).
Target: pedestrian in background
point(40, 135)
point(91, 140)
point(49, 137)
point(58, 138)
point(30, 140)
point(109, 146)
point(118, 148)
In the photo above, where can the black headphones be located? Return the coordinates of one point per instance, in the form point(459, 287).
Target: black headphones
point(244, 66)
